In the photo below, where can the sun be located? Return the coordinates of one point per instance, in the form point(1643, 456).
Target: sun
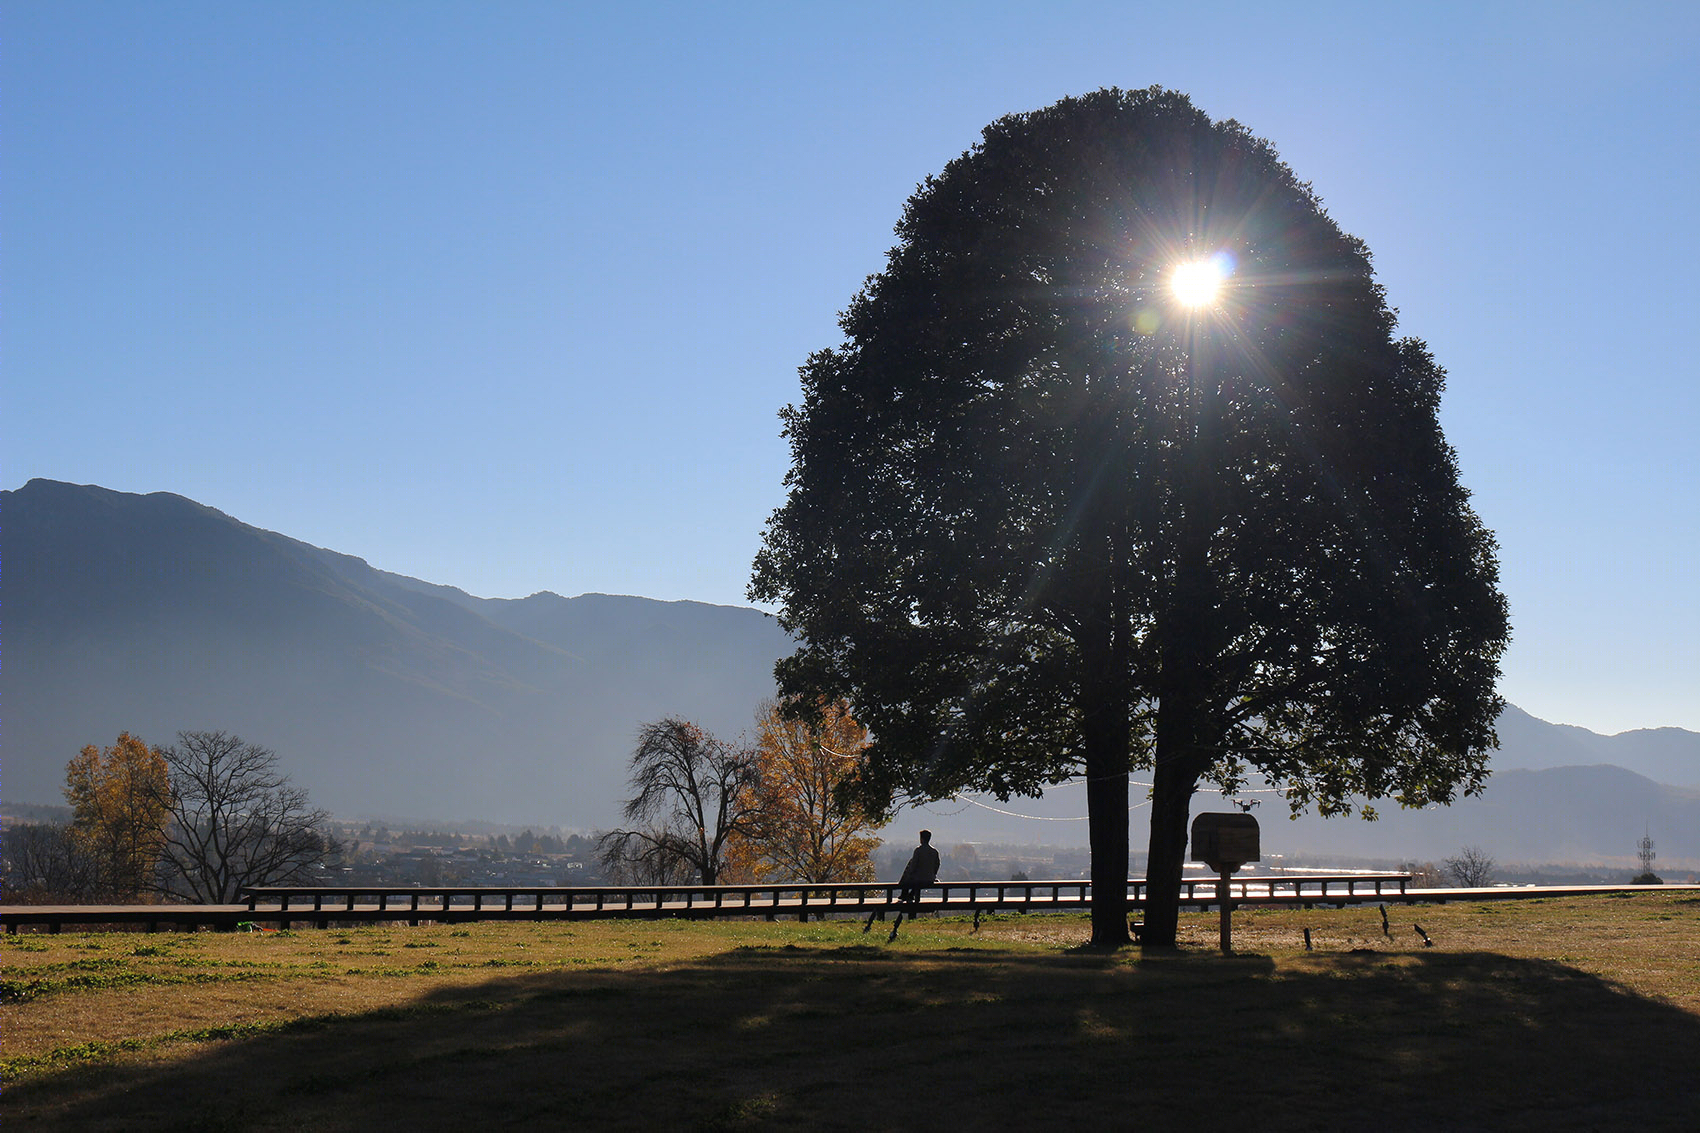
point(1197, 284)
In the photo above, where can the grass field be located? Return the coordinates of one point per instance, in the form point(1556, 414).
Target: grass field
point(1577, 1013)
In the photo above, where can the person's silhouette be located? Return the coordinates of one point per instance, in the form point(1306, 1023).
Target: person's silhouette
point(922, 871)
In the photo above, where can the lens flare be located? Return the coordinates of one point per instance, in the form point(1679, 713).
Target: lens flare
point(1197, 284)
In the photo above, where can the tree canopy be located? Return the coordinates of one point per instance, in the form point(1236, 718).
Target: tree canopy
point(202, 818)
point(1049, 516)
point(692, 800)
point(236, 820)
point(120, 800)
point(805, 830)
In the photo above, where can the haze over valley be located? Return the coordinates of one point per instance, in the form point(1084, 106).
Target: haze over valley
point(389, 696)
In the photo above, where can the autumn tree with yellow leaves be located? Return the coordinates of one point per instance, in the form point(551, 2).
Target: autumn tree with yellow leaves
point(120, 800)
point(202, 819)
point(804, 830)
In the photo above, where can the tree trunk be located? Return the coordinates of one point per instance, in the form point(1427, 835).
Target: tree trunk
point(1189, 643)
point(1105, 728)
point(1106, 807)
point(1171, 799)
point(1178, 760)
point(1106, 712)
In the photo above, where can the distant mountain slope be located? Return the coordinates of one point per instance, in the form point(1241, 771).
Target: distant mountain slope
point(1584, 815)
point(389, 695)
point(1664, 755)
point(382, 694)
point(1564, 814)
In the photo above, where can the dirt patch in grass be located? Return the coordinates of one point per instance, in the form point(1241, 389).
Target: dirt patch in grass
point(754, 1025)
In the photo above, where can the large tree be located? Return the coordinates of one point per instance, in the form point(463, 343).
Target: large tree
point(805, 829)
point(1050, 514)
point(236, 820)
point(120, 799)
point(691, 798)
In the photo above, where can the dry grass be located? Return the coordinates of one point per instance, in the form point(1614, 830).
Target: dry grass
point(1576, 1013)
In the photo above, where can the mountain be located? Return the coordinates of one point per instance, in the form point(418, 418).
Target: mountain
point(390, 696)
point(1582, 814)
point(1665, 755)
point(1558, 793)
point(383, 695)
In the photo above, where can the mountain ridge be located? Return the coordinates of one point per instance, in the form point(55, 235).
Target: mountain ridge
point(360, 678)
point(387, 694)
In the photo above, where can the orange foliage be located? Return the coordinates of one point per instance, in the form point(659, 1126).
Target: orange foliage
point(802, 833)
point(121, 799)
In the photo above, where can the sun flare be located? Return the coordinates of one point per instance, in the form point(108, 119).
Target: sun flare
point(1198, 283)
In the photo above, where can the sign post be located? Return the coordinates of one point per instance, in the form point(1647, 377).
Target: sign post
point(1225, 842)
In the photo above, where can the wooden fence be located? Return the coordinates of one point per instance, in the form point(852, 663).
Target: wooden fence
point(287, 905)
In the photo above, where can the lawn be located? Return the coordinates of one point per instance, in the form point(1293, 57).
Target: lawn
point(1579, 1013)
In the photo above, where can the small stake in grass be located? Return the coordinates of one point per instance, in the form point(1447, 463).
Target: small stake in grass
point(1427, 943)
point(1385, 931)
point(1307, 940)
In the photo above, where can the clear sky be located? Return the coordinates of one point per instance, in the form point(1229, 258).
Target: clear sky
point(506, 295)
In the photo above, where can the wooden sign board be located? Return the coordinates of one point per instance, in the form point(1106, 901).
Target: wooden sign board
point(1225, 841)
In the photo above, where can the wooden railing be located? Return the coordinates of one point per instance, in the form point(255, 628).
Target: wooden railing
point(552, 902)
point(286, 905)
point(320, 903)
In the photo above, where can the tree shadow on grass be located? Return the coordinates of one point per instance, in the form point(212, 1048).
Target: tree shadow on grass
point(966, 1039)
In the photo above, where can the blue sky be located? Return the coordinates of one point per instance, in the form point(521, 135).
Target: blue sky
point(507, 295)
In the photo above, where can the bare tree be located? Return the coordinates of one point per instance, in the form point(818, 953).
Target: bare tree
point(628, 858)
point(692, 799)
point(46, 863)
point(1472, 868)
point(236, 821)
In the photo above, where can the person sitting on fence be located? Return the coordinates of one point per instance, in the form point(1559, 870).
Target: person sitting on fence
point(922, 871)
